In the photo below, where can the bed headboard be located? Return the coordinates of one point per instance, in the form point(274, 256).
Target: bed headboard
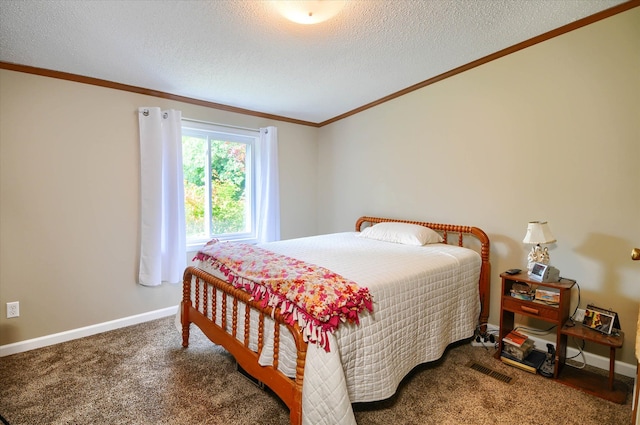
point(474, 235)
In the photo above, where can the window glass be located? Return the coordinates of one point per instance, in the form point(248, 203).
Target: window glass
point(218, 182)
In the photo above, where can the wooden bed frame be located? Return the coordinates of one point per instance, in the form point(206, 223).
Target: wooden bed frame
point(226, 335)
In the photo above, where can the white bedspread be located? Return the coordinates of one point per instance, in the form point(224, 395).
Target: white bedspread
point(424, 299)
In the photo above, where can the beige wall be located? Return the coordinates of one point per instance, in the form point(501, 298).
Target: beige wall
point(549, 133)
point(69, 209)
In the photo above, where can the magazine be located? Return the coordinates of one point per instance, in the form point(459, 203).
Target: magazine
point(601, 320)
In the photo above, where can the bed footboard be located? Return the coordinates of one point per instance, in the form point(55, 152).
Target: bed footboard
point(213, 300)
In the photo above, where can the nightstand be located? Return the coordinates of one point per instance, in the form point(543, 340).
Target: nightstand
point(555, 314)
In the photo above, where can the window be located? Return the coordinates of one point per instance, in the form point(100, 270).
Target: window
point(218, 166)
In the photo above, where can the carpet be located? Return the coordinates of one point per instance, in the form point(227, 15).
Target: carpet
point(142, 375)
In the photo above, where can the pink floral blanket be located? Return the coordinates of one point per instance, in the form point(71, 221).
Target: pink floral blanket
point(314, 297)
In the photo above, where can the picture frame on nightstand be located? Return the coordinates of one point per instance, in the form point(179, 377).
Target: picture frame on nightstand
point(601, 320)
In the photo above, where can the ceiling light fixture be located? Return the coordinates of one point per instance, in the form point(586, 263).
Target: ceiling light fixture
point(309, 11)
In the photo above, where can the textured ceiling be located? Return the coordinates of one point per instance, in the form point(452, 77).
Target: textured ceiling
point(244, 54)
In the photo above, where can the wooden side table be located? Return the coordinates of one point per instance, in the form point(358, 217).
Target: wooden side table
point(590, 382)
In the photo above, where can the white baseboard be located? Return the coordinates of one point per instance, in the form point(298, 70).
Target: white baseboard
point(594, 360)
point(44, 341)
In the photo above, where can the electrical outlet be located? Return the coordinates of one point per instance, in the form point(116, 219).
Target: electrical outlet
point(13, 309)
point(483, 341)
point(579, 317)
point(486, 339)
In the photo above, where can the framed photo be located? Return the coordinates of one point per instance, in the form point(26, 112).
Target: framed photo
point(600, 319)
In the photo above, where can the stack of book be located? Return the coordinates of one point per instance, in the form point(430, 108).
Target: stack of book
point(522, 292)
point(548, 295)
point(517, 345)
point(518, 350)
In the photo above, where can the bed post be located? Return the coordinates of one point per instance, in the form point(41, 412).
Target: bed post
point(485, 278)
point(295, 410)
point(184, 306)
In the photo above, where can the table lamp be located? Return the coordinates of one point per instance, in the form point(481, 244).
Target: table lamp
point(538, 232)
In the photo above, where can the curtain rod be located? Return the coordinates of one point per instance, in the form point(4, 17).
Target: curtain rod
point(222, 125)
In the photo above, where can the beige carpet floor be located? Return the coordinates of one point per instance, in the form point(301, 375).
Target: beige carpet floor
point(141, 375)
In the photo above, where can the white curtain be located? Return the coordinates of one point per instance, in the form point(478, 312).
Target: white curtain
point(162, 233)
point(267, 187)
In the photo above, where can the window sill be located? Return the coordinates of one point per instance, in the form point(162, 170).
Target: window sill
point(197, 246)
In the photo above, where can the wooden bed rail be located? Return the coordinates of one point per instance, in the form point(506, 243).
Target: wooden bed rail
point(461, 231)
point(195, 310)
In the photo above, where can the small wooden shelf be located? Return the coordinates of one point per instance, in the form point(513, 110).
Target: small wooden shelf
point(594, 384)
point(582, 332)
point(589, 382)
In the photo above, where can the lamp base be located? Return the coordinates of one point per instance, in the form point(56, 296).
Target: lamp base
point(537, 255)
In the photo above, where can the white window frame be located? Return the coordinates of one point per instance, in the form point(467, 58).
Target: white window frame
point(232, 134)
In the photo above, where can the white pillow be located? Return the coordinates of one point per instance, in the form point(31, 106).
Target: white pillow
point(404, 233)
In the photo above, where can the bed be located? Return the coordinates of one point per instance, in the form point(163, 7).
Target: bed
point(415, 314)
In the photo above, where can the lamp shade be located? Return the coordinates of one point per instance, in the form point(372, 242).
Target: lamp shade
point(538, 232)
